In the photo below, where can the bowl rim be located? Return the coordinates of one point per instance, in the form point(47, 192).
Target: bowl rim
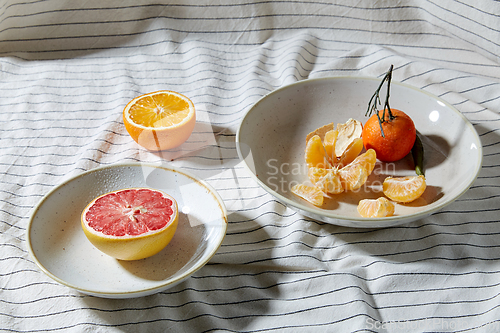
point(330, 215)
point(139, 292)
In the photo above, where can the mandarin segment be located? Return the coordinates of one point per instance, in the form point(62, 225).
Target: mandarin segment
point(353, 176)
point(367, 160)
point(356, 173)
point(380, 207)
point(328, 180)
point(315, 153)
point(404, 189)
point(329, 142)
point(312, 194)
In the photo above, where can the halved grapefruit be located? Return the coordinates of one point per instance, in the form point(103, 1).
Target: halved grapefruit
point(130, 224)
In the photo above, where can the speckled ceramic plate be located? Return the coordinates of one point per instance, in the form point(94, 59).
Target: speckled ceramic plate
point(59, 247)
point(271, 142)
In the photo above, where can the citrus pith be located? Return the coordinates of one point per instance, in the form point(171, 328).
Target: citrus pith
point(160, 120)
point(130, 224)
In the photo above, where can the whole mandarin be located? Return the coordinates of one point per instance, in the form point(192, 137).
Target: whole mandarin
point(399, 135)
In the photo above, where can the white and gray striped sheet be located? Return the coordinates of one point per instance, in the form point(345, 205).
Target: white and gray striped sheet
point(68, 68)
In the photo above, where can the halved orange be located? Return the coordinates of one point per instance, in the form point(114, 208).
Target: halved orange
point(310, 193)
point(328, 180)
point(404, 189)
point(160, 120)
point(380, 207)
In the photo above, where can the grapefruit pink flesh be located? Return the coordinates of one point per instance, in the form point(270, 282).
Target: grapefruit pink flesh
point(131, 224)
point(130, 212)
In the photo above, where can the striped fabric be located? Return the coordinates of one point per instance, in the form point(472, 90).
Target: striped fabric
point(67, 69)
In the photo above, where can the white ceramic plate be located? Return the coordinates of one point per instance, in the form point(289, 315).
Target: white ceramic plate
point(59, 247)
point(271, 142)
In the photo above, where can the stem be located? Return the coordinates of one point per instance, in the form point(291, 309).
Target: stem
point(375, 100)
point(386, 106)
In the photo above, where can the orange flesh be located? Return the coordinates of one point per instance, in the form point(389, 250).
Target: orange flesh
point(160, 110)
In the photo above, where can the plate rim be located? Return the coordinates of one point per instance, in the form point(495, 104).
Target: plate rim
point(143, 291)
point(359, 222)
